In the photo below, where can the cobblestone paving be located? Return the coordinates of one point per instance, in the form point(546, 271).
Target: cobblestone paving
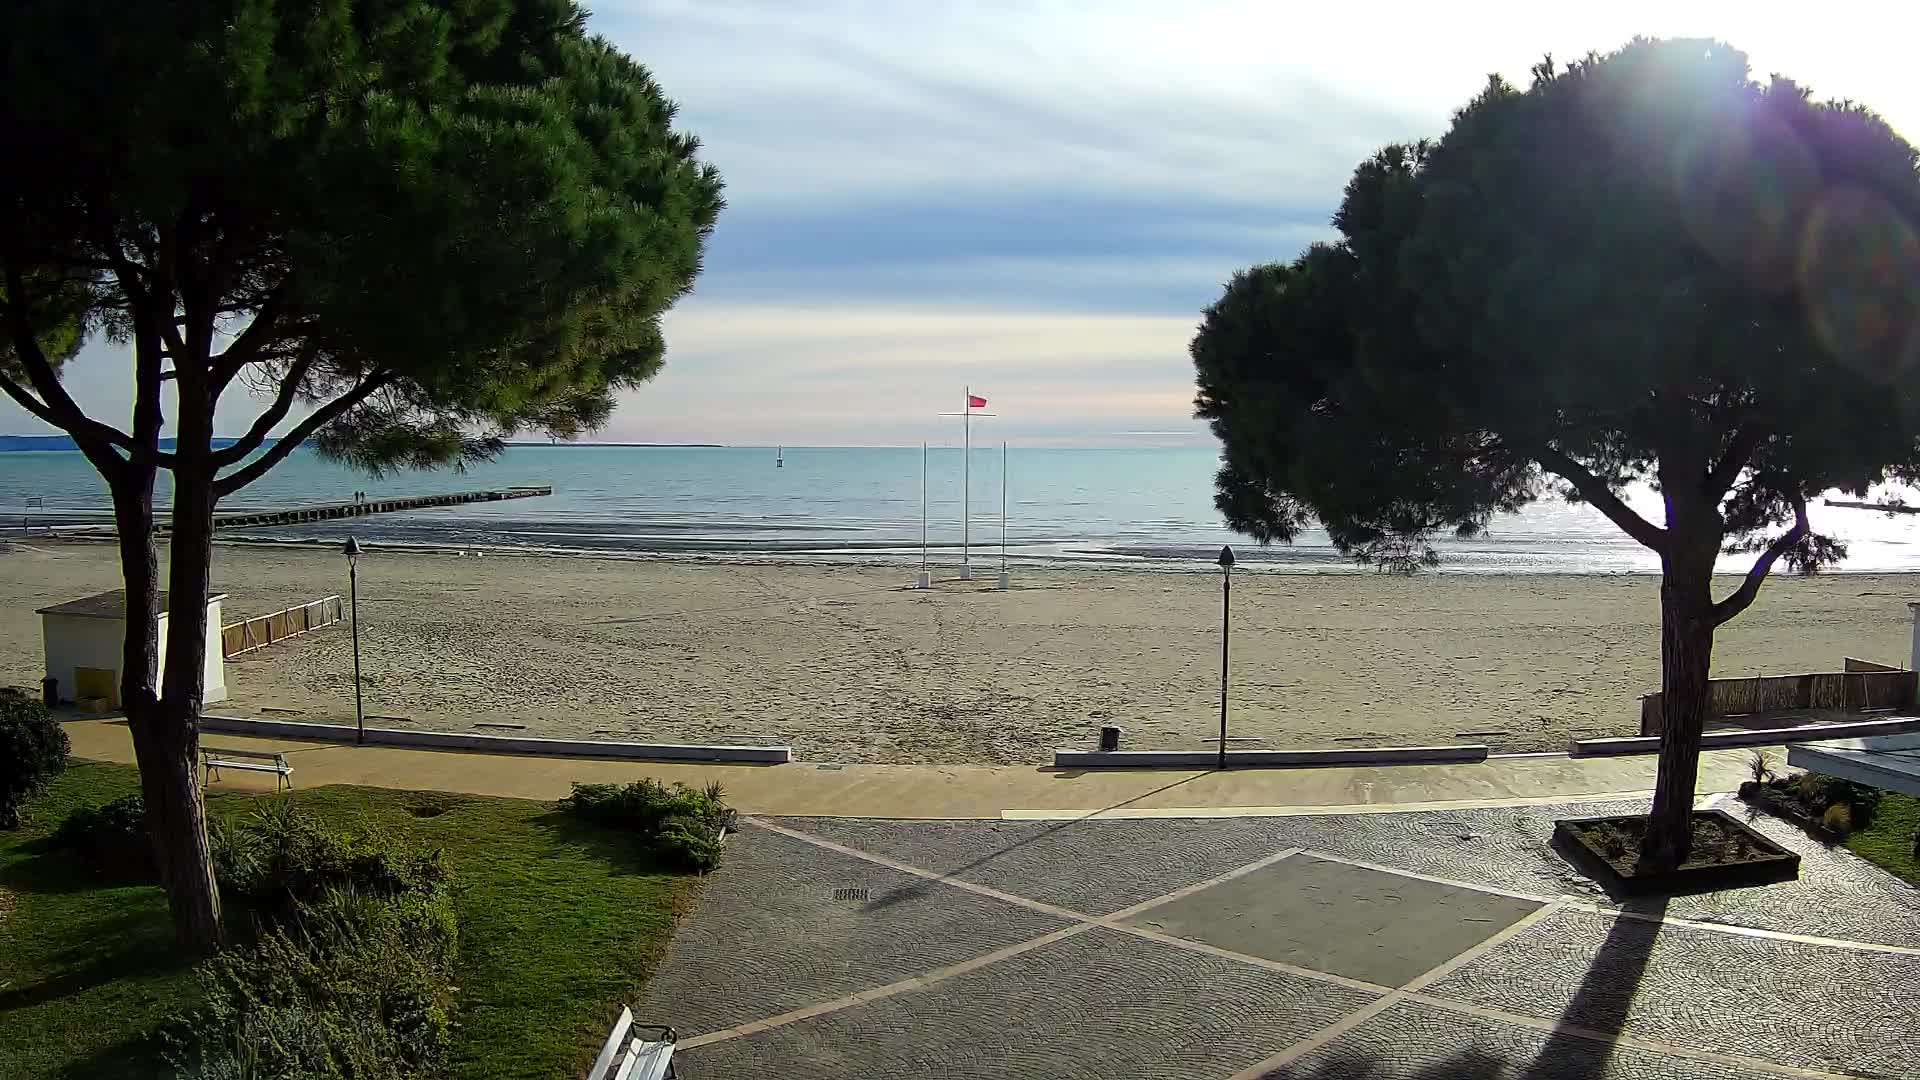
point(1099, 1005)
point(1416, 1042)
point(1811, 1006)
point(768, 936)
point(1365, 924)
point(1092, 866)
point(1839, 894)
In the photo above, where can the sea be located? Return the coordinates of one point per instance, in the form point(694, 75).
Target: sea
point(1137, 507)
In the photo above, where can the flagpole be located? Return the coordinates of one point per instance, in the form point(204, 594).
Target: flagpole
point(923, 506)
point(966, 487)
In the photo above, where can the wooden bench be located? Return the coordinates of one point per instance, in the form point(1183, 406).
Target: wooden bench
point(635, 1052)
point(215, 758)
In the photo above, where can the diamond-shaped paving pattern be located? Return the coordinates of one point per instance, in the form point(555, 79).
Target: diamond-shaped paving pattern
point(1099, 1005)
point(781, 928)
point(768, 935)
point(1363, 924)
point(1816, 1007)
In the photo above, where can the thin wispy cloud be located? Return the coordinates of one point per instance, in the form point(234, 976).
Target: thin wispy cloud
point(1038, 199)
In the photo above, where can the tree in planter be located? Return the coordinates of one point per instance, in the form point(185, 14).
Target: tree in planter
point(1644, 268)
point(411, 227)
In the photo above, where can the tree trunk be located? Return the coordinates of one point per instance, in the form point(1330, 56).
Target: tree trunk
point(192, 890)
point(1686, 656)
point(165, 747)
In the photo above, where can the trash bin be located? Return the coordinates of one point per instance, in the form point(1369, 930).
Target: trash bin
point(1109, 738)
point(50, 692)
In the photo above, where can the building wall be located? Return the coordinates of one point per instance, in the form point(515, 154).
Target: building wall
point(72, 642)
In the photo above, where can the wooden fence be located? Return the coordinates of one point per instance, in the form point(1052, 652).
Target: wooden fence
point(263, 630)
point(1848, 691)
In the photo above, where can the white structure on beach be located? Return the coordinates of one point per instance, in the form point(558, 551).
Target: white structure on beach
point(84, 640)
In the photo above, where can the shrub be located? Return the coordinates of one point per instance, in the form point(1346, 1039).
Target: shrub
point(680, 826)
point(1838, 819)
point(1760, 765)
point(1817, 792)
point(109, 841)
point(349, 972)
point(353, 985)
point(277, 858)
point(33, 750)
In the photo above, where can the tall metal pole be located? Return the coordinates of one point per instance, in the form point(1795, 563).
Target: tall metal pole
point(1226, 624)
point(353, 590)
point(966, 486)
point(923, 506)
point(1003, 506)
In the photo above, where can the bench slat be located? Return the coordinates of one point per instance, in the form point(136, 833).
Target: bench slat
point(611, 1049)
point(232, 751)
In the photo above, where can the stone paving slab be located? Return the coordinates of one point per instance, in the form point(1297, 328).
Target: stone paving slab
point(1099, 1005)
point(766, 935)
point(1096, 867)
point(1807, 1006)
point(1117, 863)
point(1364, 924)
point(1410, 1041)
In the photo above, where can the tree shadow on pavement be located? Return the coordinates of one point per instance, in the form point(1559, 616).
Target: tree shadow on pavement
point(1604, 998)
point(1344, 1063)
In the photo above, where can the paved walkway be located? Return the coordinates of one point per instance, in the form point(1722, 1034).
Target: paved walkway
point(949, 791)
point(1422, 945)
point(1406, 923)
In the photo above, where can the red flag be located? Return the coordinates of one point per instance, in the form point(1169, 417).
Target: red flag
point(975, 401)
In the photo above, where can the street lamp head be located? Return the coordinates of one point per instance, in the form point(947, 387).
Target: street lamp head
point(351, 548)
point(1226, 558)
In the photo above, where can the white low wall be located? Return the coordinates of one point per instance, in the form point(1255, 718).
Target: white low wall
point(1720, 740)
point(1270, 759)
point(498, 744)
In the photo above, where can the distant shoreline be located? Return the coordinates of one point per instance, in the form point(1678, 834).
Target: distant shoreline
point(632, 445)
point(14, 444)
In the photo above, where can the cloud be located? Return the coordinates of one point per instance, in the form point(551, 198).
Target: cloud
point(1040, 198)
point(883, 374)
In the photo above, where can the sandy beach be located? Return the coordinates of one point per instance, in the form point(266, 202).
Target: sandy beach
point(846, 664)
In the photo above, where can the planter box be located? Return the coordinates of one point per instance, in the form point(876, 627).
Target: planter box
point(1763, 861)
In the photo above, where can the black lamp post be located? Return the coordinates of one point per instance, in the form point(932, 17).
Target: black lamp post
point(352, 550)
point(1226, 596)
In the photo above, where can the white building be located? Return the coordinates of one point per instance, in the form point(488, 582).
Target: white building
point(84, 640)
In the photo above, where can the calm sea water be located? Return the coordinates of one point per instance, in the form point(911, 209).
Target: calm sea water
point(1150, 507)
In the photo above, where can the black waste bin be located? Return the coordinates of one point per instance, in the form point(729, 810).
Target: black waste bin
point(50, 691)
point(1109, 738)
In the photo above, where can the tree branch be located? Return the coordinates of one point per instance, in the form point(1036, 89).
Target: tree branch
point(246, 348)
point(1742, 597)
point(1745, 441)
point(56, 407)
point(1596, 492)
point(263, 425)
point(319, 418)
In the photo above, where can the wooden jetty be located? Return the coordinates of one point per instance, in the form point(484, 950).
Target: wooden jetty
point(294, 515)
point(1885, 508)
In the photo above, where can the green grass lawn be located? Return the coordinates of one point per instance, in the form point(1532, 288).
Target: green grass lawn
point(1889, 839)
point(559, 924)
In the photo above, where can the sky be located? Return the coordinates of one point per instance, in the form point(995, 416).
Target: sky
point(1036, 200)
